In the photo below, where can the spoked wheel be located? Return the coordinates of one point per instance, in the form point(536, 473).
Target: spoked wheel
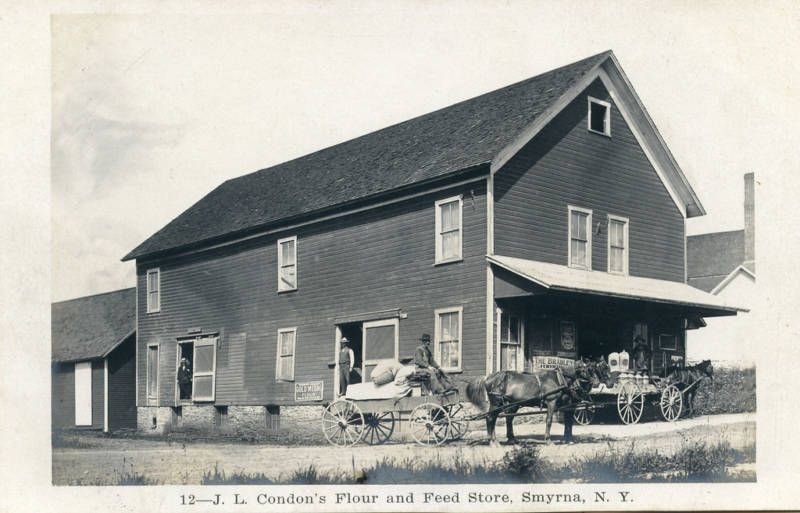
point(342, 423)
point(671, 403)
point(378, 427)
point(584, 412)
point(459, 425)
point(630, 403)
point(429, 424)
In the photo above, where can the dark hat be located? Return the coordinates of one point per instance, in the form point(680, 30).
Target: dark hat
point(344, 341)
point(638, 338)
point(425, 338)
point(184, 359)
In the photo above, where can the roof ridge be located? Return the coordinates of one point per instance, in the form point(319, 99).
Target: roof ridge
point(93, 295)
point(424, 115)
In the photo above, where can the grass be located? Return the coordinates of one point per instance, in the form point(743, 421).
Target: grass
point(731, 391)
point(695, 460)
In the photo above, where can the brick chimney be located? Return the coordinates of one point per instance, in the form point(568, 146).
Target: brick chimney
point(749, 219)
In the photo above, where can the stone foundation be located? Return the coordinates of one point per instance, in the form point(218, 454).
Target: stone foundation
point(154, 419)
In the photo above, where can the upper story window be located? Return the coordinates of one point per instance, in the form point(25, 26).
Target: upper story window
point(447, 347)
point(284, 370)
point(287, 264)
point(617, 245)
point(448, 230)
point(153, 290)
point(580, 238)
point(599, 116)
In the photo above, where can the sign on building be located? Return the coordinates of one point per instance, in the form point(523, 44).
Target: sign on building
point(552, 362)
point(309, 391)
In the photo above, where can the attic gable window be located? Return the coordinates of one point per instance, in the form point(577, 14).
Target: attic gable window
point(287, 264)
point(599, 116)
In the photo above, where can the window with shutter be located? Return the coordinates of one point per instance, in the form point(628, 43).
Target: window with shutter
point(285, 362)
point(205, 366)
point(287, 264)
point(152, 372)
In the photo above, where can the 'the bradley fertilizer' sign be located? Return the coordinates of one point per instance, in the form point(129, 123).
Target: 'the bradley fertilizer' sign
point(309, 391)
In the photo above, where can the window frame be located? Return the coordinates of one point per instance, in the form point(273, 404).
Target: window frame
point(606, 119)
point(662, 347)
point(200, 342)
point(152, 395)
point(588, 212)
point(439, 239)
point(150, 307)
point(278, 357)
point(437, 313)
point(519, 344)
point(281, 286)
point(625, 241)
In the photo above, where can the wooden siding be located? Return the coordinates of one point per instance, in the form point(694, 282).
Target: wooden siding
point(375, 260)
point(568, 165)
point(122, 386)
point(62, 395)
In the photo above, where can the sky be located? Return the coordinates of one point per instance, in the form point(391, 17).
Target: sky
point(151, 112)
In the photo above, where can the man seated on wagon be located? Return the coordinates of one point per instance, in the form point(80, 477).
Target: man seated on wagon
point(424, 362)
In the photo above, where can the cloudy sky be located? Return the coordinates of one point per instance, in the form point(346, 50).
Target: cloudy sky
point(152, 112)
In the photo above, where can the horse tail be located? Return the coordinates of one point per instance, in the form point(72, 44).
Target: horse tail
point(476, 393)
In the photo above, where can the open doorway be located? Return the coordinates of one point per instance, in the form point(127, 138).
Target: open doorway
point(352, 331)
point(185, 372)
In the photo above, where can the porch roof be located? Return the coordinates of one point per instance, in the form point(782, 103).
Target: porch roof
point(562, 278)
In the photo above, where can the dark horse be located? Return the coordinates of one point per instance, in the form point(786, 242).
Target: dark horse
point(686, 379)
point(507, 391)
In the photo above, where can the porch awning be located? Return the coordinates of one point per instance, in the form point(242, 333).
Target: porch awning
point(562, 278)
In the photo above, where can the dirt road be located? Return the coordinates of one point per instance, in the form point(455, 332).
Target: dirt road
point(186, 463)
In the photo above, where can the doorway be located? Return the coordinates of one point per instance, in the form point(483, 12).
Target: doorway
point(352, 331)
point(371, 342)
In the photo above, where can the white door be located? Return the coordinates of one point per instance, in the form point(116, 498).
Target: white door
point(381, 340)
point(83, 394)
point(205, 367)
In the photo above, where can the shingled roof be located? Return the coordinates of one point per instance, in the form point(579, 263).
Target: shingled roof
point(710, 257)
point(454, 139)
point(91, 327)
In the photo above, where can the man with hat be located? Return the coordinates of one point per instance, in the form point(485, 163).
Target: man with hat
point(424, 362)
point(185, 379)
point(641, 354)
point(346, 360)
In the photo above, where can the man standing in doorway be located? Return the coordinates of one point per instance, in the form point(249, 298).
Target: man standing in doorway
point(185, 379)
point(346, 360)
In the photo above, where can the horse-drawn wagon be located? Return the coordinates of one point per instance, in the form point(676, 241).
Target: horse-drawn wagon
point(672, 395)
point(430, 419)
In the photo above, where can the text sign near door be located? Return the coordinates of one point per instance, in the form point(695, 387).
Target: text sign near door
point(309, 391)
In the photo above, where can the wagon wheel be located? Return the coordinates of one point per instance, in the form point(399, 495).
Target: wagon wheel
point(671, 403)
point(630, 403)
point(459, 425)
point(378, 427)
point(584, 413)
point(429, 424)
point(342, 423)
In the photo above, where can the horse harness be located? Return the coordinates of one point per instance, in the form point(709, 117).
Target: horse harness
point(506, 401)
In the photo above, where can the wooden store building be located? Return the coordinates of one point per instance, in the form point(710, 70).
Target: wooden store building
point(544, 219)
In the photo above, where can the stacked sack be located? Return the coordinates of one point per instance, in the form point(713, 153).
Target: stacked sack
point(385, 372)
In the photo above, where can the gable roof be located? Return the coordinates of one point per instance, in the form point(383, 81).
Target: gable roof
point(461, 138)
point(711, 257)
point(91, 327)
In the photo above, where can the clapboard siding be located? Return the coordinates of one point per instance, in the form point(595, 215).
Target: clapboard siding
point(374, 260)
point(568, 165)
point(122, 386)
point(63, 395)
point(98, 394)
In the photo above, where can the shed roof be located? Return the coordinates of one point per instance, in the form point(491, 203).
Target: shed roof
point(91, 327)
point(444, 142)
point(566, 279)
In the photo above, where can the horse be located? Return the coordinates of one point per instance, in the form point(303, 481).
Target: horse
point(507, 391)
point(687, 376)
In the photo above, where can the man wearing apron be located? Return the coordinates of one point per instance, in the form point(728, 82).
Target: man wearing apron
point(346, 360)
